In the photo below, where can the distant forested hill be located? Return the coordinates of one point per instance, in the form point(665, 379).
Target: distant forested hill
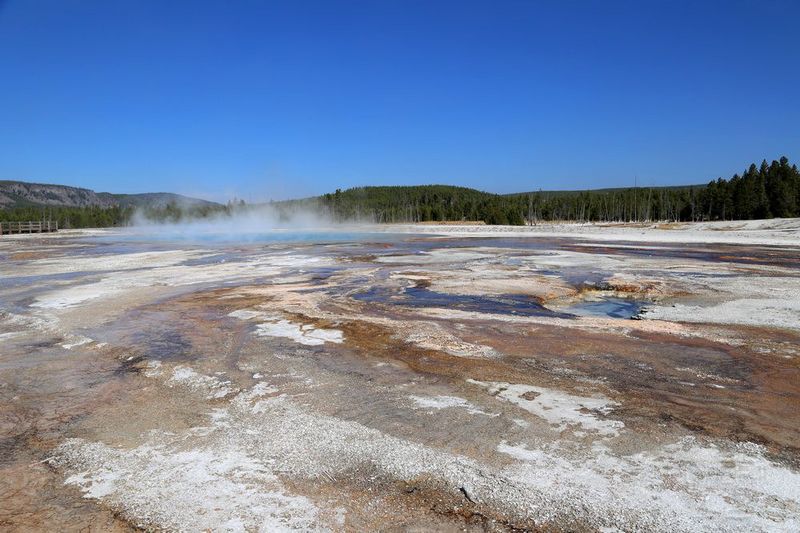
point(771, 190)
point(765, 191)
point(158, 200)
point(417, 203)
point(22, 194)
point(80, 208)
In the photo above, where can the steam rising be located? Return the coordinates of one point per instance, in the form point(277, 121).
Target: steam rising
point(263, 222)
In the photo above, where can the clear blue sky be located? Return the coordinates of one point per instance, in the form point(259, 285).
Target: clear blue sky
point(273, 100)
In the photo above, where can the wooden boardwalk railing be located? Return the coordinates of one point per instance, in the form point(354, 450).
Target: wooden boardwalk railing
point(42, 226)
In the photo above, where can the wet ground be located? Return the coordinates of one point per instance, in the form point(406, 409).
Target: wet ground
point(373, 381)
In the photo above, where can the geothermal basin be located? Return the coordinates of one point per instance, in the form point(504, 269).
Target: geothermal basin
point(423, 378)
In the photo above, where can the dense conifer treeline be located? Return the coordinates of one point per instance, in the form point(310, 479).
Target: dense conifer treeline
point(70, 217)
point(420, 203)
point(99, 217)
point(771, 190)
point(765, 191)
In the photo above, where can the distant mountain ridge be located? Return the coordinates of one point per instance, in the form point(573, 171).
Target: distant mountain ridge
point(14, 194)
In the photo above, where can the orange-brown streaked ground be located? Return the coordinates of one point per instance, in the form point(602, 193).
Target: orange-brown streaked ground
point(373, 380)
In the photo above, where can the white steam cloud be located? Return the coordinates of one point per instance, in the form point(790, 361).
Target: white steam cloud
point(239, 223)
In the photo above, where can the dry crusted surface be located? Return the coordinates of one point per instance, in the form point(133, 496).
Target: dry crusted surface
point(399, 384)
